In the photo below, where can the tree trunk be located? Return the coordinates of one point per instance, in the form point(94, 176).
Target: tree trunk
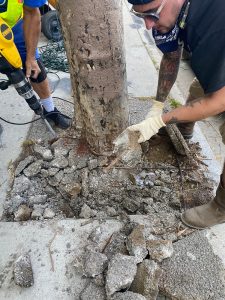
point(93, 35)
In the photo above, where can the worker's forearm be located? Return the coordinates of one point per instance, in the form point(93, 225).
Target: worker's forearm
point(195, 111)
point(32, 29)
point(167, 74)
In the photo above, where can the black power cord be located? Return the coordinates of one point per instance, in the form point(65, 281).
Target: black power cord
point(35, 120)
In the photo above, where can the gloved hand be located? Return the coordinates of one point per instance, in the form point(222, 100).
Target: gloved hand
point(147, 128)
point(156, 109)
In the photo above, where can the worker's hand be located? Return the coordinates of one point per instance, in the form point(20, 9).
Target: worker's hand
point(32, 68)
point(147, 128)
point(156, 109)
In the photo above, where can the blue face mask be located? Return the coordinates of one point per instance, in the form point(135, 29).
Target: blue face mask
point(3, 5)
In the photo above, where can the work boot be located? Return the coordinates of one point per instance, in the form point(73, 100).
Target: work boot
point(208, 214)
point(58, 118)
point(186, 129)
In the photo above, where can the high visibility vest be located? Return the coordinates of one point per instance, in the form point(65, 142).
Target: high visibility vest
point(13, 11)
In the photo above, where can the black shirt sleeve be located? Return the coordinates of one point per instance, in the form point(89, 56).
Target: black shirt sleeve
point(208, 61)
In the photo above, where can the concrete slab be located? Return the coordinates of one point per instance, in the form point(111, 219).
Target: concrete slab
point(53, 247)
point(195, 271)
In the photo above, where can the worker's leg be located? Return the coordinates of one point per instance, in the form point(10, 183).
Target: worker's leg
point(213, 212)
point(195, 92)
point(40, 85)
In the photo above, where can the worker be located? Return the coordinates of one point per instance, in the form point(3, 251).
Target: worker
point(25, 20)
point(198, 26)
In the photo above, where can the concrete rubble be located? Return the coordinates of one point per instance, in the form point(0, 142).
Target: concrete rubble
point(121, 272)
point(23, 273)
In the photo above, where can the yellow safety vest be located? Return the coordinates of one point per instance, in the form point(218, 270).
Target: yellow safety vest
point(14, 12)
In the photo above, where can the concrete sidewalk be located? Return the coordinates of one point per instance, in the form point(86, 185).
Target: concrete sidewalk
point(62, 240)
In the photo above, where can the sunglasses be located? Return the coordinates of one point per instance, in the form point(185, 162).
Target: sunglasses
point(154, 14)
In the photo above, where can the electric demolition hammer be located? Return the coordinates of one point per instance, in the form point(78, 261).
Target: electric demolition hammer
point(11, 66)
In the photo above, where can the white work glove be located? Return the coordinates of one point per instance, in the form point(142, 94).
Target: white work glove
point(156, 109)
point(147, 128)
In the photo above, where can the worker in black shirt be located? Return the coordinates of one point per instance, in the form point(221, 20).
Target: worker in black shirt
point(198, 26)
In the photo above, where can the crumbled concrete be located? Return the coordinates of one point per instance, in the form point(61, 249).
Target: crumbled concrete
point(121, 272)
point(33, 169)
point(128, 296)
point(52, 171)
point(94, 263)
point(23, 164)
point(99, 280)
point(48, 213)
point(147, 279)
point(38, 199)
point(92, 164)
point(21, 184)
point(86, 212)
point(136, 244)
point(37, 212)
point(22, 214)
point(43, 152)
point(93, 292)
point(194, 271)
point(116, 245)
point(159, 249)
point(60, 162)
point(23, 273)
point(72, 189)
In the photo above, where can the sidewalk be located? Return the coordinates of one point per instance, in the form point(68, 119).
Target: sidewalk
point(47, 241)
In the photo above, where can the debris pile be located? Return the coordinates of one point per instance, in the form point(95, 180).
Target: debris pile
point(62, 180)
point(124, 265)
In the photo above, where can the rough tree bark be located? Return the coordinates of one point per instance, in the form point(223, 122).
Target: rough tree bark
point(93, 35)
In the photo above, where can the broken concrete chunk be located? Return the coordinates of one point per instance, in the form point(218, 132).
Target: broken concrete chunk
point(94, 263)
point(93, 292)
point(86, 212)
point(72, 189)
point(121, 272)
point(52, 171)
point(43, 152)
point(128, 296)
point(33, 169)
point(116, 245)
point(16, 201)
point(130, 205)
point(92, 164)
point(77, 161)
point(21, 184)
point(159, 249)
point(23, 273)
point(37, 212)
point(22, 214)
point(136, 244)
point(147, 279)
point(60, 162)
point(38, 199)
point(60, 151)
point(23, 164)
point(99, 280)
point(100, 237)
point(48, 213)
